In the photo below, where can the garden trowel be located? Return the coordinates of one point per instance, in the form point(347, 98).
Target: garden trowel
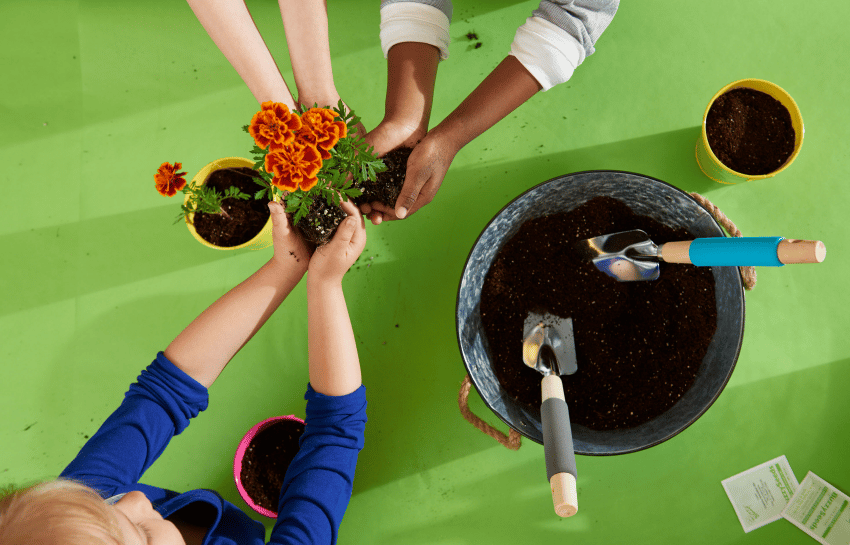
point(631, 255)
point(549, 347)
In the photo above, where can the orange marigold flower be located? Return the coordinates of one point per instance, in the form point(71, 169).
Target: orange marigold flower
point(273, 125)
point(168, 180)
point(306, 134)
point(322, 122)
point(294, 165)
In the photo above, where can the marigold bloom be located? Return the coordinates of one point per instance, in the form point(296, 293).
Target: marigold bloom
point(294, 165)
point(168, 180)
point(306, 134)
point(322, 122)
point(273, 125)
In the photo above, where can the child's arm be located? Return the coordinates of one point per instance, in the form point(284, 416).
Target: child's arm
point(545, 51)
point(334, 365)
point(305, 23)
point(318, 483)
point(173, 389)
point(231, 27)
point(205, 347)
point(411, 72)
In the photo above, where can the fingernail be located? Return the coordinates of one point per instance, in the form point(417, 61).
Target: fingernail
point(401, 212)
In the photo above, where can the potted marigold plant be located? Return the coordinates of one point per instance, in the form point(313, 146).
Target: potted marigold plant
point(219, 206)
point(311, 160)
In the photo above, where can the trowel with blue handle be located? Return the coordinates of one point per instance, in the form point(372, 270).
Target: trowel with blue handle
point(630, 255)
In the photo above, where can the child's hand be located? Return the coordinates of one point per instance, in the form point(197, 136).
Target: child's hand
point(331, 261)
point(289, 248)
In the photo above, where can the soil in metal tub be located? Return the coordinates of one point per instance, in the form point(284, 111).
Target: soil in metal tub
point(639, 344)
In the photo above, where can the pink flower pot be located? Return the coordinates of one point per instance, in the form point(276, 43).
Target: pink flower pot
point(240, 454)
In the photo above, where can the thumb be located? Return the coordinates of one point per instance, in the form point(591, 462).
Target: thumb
point(413, 184)
point(277, 212)
point(278, 215)
point(345, 231)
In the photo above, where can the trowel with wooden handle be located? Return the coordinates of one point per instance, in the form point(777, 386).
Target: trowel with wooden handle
point(631, 255)
point(549, 347)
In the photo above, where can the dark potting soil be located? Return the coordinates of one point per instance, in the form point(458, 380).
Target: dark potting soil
point(320, 223)
point(639, 345)
point(247, 217)
point(387, 186)
point(750, 131)
point(266, 460)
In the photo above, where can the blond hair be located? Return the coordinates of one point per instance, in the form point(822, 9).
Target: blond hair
point(57, 512)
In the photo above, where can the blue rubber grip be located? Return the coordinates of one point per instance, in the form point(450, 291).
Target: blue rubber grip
point(735, 251)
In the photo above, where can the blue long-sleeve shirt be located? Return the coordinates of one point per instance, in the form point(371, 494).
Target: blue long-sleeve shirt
point(316, 489)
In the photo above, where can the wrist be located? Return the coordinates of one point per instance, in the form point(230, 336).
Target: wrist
point(448, 135)
point(288, 267)
point(319, 282)
point(327, 97)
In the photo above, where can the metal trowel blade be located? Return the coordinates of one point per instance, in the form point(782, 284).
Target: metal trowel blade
point(559, 334)
point(626, 256)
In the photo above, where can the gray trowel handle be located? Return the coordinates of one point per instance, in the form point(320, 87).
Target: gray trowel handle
point(558, 447)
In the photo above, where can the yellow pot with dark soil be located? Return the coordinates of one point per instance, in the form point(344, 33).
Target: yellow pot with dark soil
point(752, 129)
point(240, 223)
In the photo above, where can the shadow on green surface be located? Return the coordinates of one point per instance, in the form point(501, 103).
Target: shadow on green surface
point(51, 264)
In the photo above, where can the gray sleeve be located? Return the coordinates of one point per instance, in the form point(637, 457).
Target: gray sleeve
point(443, 5)
point(584, 20)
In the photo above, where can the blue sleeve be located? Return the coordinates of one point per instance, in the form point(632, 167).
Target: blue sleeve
point(584, 20)
point(317, 486)
point(156, 407)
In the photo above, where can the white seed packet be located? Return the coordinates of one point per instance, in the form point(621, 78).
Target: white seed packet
point(761, 493)
point(820, 510)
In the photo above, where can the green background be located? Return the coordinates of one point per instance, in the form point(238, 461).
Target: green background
point(95, 94)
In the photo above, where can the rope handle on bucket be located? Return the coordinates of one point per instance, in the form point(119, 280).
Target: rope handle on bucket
point(512, 441)
point(748, 274)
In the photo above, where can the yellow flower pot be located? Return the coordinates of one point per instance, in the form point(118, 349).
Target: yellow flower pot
point(712, 167)
point(263, 238)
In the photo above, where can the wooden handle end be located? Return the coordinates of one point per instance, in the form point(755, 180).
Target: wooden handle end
point(564, 494)
point(801, 251)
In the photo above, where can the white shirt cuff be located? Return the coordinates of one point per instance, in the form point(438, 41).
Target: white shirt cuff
point(413, 22)
point(550, 53)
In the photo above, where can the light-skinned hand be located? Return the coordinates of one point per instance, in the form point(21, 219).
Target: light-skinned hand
point(331, 261)
point(289, 248)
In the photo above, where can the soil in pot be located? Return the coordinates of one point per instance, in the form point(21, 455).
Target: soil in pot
point(266, 460)
point(750, 131)
point(639, 344)
point(247, 217)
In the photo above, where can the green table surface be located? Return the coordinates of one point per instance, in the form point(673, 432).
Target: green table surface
point(95, 278)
